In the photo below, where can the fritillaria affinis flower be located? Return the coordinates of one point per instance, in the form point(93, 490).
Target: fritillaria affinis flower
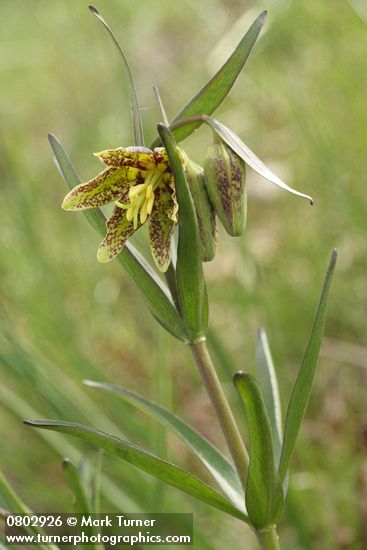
point(141, 184)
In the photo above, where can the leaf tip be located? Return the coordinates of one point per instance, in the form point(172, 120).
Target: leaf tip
point(29, 422)
point(90, 383)
point(161, 127)
point(93, 10)
point(333, 258)
point(239, 376)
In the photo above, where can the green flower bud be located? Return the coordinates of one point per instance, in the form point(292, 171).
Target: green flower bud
point(207, 220)
point(225, 178)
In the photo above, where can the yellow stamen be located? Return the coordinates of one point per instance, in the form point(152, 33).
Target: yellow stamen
point(142, 197)
point(150, 203)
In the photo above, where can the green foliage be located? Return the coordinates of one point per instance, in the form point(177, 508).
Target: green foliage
point(208, 99)
point(303, 385)
point(218, 466)
point(134, 102)
point(189, 271)
point(17, 506)
point(73, 478)
point(241, 149)
point(161, 469)
point(268, 382)
point(82, 504)
point(263, 489)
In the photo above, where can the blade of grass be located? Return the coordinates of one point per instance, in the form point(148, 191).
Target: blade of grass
point(142, 459)
point(81, 499)
point(162, 391)
point(218, 466)
point(134, 102)
point(96, 483)
point(303, 385)
point(263, 489)
point(20, 409)
point(208, 99)
point(158, 98)
point(54, 385)
point(2, 539)
point(17, 506)
point(72, 477)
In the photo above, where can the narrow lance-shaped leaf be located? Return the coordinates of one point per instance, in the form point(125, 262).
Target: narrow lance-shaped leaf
point(96, 483)
point(158, 98)
point(18, 507)
point(2, 539)
point(263, 488)
point(155, 294)
point(61, 445)
point(219, 467)
point(142, 459)
point(267, 378)
point(81, 500)
point(303, 385)
point(245, 153)
point(11, 497)
point(73, 479)
point(216, 89)
point(189, 270)
point(134, 102)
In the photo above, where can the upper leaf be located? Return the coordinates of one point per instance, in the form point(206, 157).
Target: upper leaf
point(245, 153)
point(142, 459)
point(303, 385)
point(134, 102)
point(208, 99)
point(263, 489)
point(189, 270)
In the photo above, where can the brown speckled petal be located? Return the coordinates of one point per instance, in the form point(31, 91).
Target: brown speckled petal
point(161, 228)
point(119, 229)
point(137, 157)
point(107, 187)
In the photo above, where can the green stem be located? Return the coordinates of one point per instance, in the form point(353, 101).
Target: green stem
point(219, 401)
point(268, 538)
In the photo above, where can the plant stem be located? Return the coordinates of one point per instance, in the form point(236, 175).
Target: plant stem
point(268, 538)
point(219, 401)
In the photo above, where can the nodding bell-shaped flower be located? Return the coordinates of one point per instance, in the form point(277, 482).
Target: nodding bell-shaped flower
point(225, 178)
point(140, 183)
point(205, 213)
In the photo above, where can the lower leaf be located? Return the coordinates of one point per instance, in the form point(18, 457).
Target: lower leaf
point(144, 460)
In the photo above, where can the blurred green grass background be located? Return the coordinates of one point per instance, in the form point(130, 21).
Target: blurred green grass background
point(300, 105)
